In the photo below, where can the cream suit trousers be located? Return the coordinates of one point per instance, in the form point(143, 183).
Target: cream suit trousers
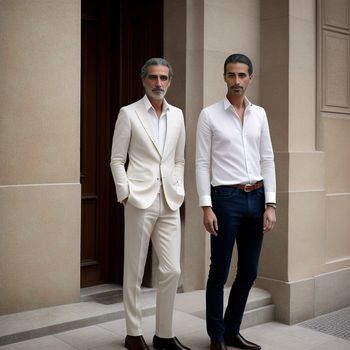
point(162, 225)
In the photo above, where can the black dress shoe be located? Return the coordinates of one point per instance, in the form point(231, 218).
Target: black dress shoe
point(168, 344)
point(135, 343)
point(239, 342)
point(218, 346)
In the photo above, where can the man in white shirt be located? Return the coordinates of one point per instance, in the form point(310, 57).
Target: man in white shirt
point(151, 133)
point(236, 186)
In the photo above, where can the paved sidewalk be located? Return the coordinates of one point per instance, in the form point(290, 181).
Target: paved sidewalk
point(190, 329)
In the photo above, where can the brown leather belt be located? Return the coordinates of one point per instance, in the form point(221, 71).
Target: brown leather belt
point(248, 187)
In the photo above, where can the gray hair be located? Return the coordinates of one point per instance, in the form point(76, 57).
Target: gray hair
point(156, 61)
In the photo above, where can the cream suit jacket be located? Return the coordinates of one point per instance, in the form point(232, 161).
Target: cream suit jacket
point(134, 136)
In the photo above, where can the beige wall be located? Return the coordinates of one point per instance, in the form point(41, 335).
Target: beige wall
point(333, 136)
point(186, 56)
point(310, 246)
point(39, 159)
point(312, 240)
point(230, 26)
point(334, 126)
point(292, 118)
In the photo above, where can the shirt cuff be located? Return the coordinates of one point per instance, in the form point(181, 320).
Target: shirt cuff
point(270, 197)
point(205, 201)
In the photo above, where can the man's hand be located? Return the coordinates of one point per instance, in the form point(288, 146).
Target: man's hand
point(269, 218)
point(209, 220)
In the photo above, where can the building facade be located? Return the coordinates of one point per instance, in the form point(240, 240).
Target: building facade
point(301, 53)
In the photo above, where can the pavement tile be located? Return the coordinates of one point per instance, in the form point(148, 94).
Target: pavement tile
point(88, 337)
point(44, 343)
point(188, 327)
point(333, 345)
point(114, 345)
point(185, 323)
point(117, 327)
point(283, 337)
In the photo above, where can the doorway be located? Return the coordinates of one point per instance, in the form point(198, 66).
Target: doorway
point(117, 37)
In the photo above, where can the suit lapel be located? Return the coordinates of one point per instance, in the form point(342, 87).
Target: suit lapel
point(146, 123)
point(170, 131)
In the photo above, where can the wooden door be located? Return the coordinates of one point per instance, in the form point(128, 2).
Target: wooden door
point(117, 37)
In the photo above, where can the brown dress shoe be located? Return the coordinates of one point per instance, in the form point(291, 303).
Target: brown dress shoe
point(239, 342)
point(135, 343)
point(218, 346)
point(168, 344)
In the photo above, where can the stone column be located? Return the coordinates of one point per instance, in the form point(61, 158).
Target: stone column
point(293, 253)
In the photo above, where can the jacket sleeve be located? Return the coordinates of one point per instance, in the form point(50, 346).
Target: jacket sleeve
point(120, 146)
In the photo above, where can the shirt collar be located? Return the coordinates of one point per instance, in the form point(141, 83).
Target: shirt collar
point(148, 104)
point(227, 103)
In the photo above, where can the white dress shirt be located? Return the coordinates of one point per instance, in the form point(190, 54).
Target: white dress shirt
point(229, 152)
point(159, 126)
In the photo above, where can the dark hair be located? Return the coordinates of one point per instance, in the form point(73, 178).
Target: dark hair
point(156, 61)
point(239, 58)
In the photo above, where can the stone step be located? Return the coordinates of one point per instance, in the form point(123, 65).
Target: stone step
point(259, 308)
point(104, 303)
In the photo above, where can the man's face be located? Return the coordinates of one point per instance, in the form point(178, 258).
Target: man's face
point(237, 78)
point(156, 81)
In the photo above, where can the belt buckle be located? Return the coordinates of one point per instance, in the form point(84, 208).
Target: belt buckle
point(248, 188)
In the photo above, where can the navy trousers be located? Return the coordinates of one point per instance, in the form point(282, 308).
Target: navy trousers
point(240, 220)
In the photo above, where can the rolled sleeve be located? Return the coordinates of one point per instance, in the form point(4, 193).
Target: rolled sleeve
point(203, 154)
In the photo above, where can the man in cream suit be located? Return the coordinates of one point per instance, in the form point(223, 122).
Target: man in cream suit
point(152, 134)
